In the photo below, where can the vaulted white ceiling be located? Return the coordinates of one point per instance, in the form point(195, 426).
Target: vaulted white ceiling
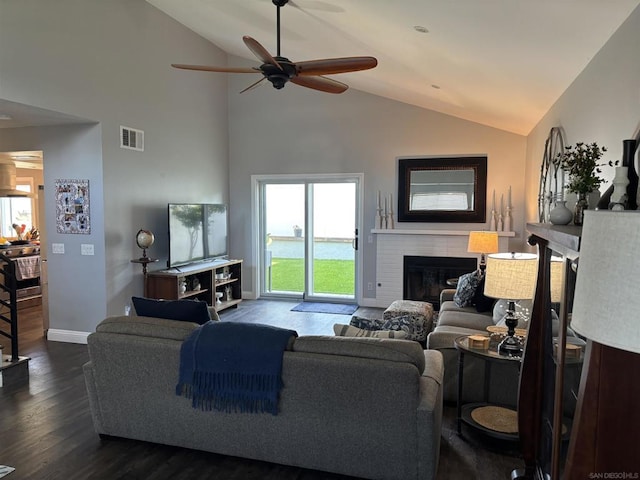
point(501, 63)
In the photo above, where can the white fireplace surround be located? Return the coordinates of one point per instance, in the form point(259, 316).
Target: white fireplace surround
point(394, 244)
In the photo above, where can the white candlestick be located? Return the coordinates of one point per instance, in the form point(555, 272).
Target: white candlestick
point(509, 198)
point(378, 200)
point(493, 201)
point(501, 204)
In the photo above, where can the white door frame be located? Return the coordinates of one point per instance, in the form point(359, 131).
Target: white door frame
point(306, 178)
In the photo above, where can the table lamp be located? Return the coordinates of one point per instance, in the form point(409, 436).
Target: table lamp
point(511, 276)
point(483, 243)
point(605, 311)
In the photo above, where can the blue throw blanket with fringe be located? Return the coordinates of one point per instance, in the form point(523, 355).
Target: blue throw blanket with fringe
point(233, 367)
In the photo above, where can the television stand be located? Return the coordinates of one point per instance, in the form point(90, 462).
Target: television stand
point(201, 281)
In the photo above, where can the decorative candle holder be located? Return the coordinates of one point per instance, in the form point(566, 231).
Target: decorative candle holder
point(380, 218)
point(507, 220)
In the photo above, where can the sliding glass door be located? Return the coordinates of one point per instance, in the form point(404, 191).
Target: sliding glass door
point(309, 238)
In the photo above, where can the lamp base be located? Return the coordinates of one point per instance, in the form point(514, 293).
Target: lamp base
point(510, 346)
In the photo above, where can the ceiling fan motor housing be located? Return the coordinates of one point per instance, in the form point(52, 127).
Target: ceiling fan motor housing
point(279, 77)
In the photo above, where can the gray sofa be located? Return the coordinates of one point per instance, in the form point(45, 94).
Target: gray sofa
point(453, 322)
point(370, 408)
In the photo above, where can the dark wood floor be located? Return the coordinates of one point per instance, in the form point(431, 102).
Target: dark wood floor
point(46, 431)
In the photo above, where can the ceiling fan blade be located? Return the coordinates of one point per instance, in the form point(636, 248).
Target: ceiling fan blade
point(260, 52)
point(329, 66)
point(316, 5)
point(323, 84)
point(253, 85)
point(206, 68)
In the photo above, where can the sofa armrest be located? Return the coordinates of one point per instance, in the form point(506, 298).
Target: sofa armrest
point(446, 295)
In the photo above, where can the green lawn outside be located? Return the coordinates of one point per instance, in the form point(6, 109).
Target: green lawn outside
point(330, 276)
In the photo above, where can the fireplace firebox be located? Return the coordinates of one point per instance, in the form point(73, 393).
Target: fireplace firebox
point(425, 277)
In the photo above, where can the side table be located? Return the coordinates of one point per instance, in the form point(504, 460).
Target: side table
point(497, 421)
point(144, 261)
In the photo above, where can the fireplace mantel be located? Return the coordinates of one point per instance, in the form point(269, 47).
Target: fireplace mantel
point(393, 244)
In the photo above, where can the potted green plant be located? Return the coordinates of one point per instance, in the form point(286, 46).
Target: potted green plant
point(582, 165)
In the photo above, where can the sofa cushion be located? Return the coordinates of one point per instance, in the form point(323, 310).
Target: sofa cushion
point(363, 347)
point(350, 331)
point(466, 289)
point(466, 317)
point(147, 327)
point(185, 310)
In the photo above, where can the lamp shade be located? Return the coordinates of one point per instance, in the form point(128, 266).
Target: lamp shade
point(606, 301)
point(557, 279)
point(483, 242)
point(511, 276)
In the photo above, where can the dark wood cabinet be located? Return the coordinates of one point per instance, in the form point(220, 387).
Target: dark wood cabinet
point(549, 381)
point(200, 281)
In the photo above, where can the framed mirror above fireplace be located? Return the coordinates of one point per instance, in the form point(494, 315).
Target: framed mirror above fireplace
point(442, 189)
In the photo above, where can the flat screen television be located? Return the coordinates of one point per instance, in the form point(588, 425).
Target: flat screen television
point(197, 232)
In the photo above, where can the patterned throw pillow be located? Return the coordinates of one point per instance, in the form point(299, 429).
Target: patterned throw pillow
point(366, 323)
point(413, 327)
point(466, 289)
point(350, 331)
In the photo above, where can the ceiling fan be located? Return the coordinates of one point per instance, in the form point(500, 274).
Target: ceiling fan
point(279, 70)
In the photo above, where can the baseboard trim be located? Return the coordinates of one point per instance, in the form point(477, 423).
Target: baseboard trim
point(368, 302)
point(67, 336)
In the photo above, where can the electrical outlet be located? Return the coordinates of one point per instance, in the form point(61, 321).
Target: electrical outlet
point(370, 286)
point(57, 248)
point(370, 239)
point(86, 249)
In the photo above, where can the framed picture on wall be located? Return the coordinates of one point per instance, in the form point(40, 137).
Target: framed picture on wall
point(72, 206)
point(443, 189)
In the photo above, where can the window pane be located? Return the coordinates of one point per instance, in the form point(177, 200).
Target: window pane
point(16, 210)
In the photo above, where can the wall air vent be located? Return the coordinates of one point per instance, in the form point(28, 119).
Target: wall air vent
point(131, 138)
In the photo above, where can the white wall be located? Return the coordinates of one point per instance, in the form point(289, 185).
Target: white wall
point(76, 283)
point(109, 61)
point(602, 105)
point(301, 131)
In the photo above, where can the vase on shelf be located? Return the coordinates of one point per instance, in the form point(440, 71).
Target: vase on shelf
point(560, 214)
point(582, 204)
point(619, 199)
point(628, 160)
